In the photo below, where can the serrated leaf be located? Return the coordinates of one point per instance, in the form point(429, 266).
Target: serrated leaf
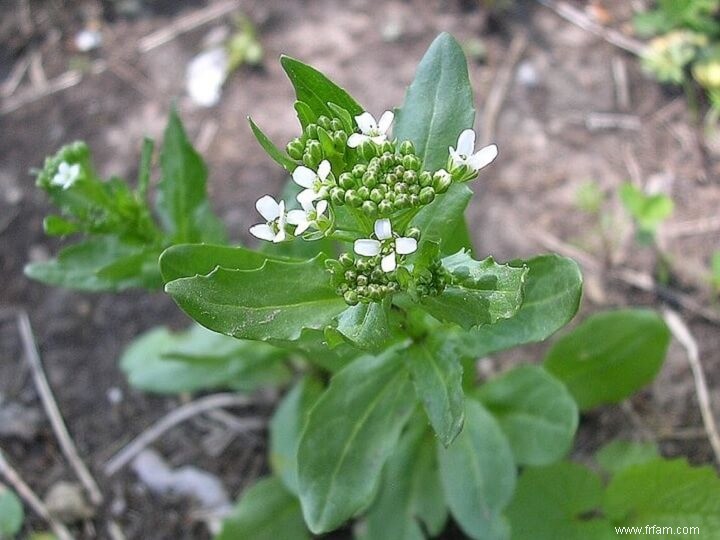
point(167, 362)
point(351, 431)
point(438, 104)
point(12, 514)
point(410, 493)
point(478, 475)
point(277, 155)
point(286, 427)
point(665, 494)
point(437, 375)
point(441, 218)
point(276, 301)
point(552, 292)
point(182, 202)
point(266, 511)
point(610, 356)
point(100, 264)
point(366, 325)
point(535, 411)
point(558, 501)
point(482, 292)
point(616, 456)
point(316, 90)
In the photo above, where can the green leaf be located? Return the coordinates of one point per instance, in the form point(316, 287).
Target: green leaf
point(275, 301)
point(144, 168)
point(441, 218)
point(265, 512)
point(100, 264)
point(610, 356)
point(286, 427)
point(304, 113)
point(316, 90)
point(478, 475)
point(617, 456)
point(278, 156)
point(437, 375)
point(350, 433)
point(182, 203)
point(666, 494)
point(409, 493)
point(366, 325)
point(312, 344)
point(649, 211)
point(197, 359)
point(552, 292)
point(482, 292)
point(558, 502)
point(438, 104)
point(535, 411)
point(59, 226)
point(188, 260)
point(12, 514)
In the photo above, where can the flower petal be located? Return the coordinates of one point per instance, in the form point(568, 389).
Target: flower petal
point(466, 142)
point(74, 171)
point(263, 232)
point(483, 157)
point(323, 169)
point(388, 263)
point(356, 139)
point(366, 122)
point(367, 247)
point(457, 159)
point(405, 245)
point(383, 229)
point(296, 217)
point(321, 207)
point(303, 176)
point(306, 197)
point(280, 236)
point(302, 227)
point(385, 121)
point(268, 208)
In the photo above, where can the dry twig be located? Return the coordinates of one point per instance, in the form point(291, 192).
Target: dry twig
point(681, 332)
point(48, 400)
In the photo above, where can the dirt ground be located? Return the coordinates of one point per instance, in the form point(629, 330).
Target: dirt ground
point(564, 122)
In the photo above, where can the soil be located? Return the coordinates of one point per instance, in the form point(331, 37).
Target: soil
point(549, 148)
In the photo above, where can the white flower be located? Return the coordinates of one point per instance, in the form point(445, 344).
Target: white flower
point(309, 215)
point(370, 130)
point(309, 179)
point(370, 247)
point(464, 153)
point(205, 76)
point(274, 214)
point(66, 175)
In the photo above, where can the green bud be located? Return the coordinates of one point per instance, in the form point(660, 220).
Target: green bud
point(391, 179)
point(387, 161)
point(314, 149)
point(311, 131)
point(369, 179)
point(337, 196)
point(385, 207)
point(414, 189)
point(295, 149)
point(399, 170)
point(358, 170)
point(390, 196)
point(425, 179)
point(370, 209)
point(387, 146)
point(324, 122)
point(352, 198)
point(363, 192)
point(362, 264)
point(411, 162)
point(347, 181)
point(410, 177)
point(442, 181)
point(333, 266)
point(367, 150)
point(414, 200)
point(401, 187)
point(401, 201)
point(376, 195)
point(362, 280)
point(351, 297)
point(350, 276)
point(340, 140)
point(427, 195)
point(374, 292)
point(407, 147)
point(413, 232)
point(346, 260)
point(336, 125)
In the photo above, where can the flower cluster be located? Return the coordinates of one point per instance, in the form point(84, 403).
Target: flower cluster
point(358, 185)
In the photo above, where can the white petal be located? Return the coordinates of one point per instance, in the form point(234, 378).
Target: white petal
point(383, 229)
point(367, 247)
point(388, 262)
point(321, 207)
point(280, 236)
point(323, 169)
point(466, 142)
point(356, 139)
point(483, 157)
point(385, 121)
point(304, 176)
point(63, 168)
point(263, 232)
point(366, 122)
point(306, 197)
point(302, 227)
point(296, 217)
point(282, 218)
point(457, 159)
point(74, 171)
point(268, 208)
point(405, 246)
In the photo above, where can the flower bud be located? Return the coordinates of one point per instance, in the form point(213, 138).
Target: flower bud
point(352, 199)
point(399, 170)
point(425, 179)
point(411, 162)
point(385, 207)
point(413, 232)
point(314, 150)
point(363, 265)
point(350, 276)
point(362, 280)
point(324, 122)
point(401, 201)
point(387, 146)
point(427, 195)
point(414, 200)
point(347, 181)
point(358, 170)
point(441, 181)
point(374, 291)
point(400, 187)
point(410, 177)
point(336, 125)
point(387, 161)
point(363, 192)
point(337, 196)
point(367, 150)
point(407, 148)
point(295, 149)
point(311, 131)
point(346, 260)
point(376, 195)
point(351, 298)
point(369, 179)
point(340, 140)
point(370, 209)
point(391, 179)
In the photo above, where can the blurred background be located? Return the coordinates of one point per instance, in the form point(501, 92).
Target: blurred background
point(598, 161)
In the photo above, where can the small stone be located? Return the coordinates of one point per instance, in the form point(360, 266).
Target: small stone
point(65, 502)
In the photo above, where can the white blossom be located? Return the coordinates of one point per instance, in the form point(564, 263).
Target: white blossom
point(66, 175)
point(310, 180)
point(205, 76)
point(309, 215)
point(370, 247)
point(464, 154)
point(274, 214)
point(370, 130)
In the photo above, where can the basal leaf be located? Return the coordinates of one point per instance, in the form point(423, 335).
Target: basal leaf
point(280, 157)
point(438, 104)
point(350, 433)
point(275, 301)
point(478, 475)
point(535, 411)
point(266, 511)
point(610, 356)
point(552, 292)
